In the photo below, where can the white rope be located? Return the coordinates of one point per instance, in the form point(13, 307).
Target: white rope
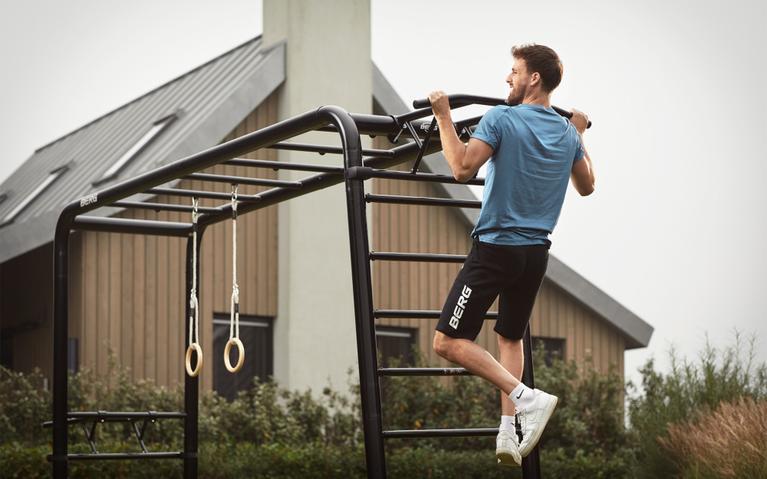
point(193, 302)
point(234, 315)
point(194, 305)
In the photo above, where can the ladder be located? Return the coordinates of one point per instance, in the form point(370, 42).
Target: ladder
point(365, 316)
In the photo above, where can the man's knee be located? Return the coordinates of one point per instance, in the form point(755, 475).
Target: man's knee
point(509, 343)
point(441, 344)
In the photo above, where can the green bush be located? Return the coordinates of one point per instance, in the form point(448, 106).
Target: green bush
point(271, 432)
point(690, 391)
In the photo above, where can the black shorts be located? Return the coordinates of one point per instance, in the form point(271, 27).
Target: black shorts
point(513, 272)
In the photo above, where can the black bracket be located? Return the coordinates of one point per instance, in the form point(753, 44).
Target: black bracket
point(358, 172)
point(422, 147)
point(90, 435)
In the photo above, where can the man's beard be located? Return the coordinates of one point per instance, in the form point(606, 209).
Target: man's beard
point(516, 95)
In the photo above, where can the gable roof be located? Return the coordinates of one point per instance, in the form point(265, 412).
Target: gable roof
point(636, 331)
point(209, 102)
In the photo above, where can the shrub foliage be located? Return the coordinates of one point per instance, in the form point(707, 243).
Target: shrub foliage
point(268, 431)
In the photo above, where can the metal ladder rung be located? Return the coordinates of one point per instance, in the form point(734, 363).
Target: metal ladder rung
point(419, 313)
point(423, 372)
point(424, 257)
point(412, 433)
point(124, 455)
point(421, 200)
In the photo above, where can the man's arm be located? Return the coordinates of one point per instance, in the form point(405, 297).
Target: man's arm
point(464, 159)
point(582, 174)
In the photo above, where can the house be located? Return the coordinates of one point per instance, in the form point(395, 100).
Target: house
point(127, 292)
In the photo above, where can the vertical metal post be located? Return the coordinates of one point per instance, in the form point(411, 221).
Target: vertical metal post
point(531, 465)
point(60, 344)
point(191, 384)
point(363, 301)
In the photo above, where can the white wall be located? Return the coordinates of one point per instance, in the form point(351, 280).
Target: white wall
point(328, 62)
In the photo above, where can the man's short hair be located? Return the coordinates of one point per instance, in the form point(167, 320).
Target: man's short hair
point(543, 60)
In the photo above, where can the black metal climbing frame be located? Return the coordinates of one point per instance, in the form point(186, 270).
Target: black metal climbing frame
point(358, 165)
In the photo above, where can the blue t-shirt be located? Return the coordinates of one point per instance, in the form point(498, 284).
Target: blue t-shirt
point(534, 149)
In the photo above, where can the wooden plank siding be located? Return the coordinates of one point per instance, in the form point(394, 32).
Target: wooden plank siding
point(412, 285)
point(130, 289)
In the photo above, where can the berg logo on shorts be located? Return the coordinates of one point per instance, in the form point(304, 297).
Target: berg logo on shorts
point(460, 306)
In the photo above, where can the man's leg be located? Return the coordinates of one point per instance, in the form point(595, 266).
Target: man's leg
point(476, 359)
point(512, 356)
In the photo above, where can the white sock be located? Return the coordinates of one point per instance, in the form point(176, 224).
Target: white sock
point(507, 423)
point(521, 396)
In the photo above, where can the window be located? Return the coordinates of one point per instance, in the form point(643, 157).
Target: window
point(52, 176)
point(6, 349)
point(396, 343)
point(137, 148)
point(73, 355)
point(554, 348)
point(256, 336)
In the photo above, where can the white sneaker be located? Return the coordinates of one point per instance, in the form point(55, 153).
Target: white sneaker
point(506, 449)
point(533, 419)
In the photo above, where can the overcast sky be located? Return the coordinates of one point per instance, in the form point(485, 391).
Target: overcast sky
point(675, 230)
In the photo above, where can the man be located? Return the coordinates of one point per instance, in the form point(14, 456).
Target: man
point(532, 152)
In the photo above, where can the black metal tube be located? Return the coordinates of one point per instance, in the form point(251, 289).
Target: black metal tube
point(407, 176)
point(531, 465)
point(421, 200)
point(423, 257)
point(283, 165)
point(60, 344)
point(126, 225)
point(125, 455)
point(213, 195)
point(142, 205)
point(323, 149)
point(413, 433)
point(191, 384)
point(363, 299)
point(459, 100)
point(126, 415)
point(243, 180)
point(419, 313)
point(423, 372)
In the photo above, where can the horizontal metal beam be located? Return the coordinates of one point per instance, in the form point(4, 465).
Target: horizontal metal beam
point(284, 165)
point(243, 180)
point(423, 372)
point(365, 173)
point(414, 433)
point(213, 195)
point(422, 257)
point(125, 455)
point(162, 207)
point(323, 149)
point(124, 225)
point(419, 313)
point(117, 416)
point(421, 200)
point(128, 414)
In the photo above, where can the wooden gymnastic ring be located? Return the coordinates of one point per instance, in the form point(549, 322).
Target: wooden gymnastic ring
point(240, 352)
point(188, 360)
